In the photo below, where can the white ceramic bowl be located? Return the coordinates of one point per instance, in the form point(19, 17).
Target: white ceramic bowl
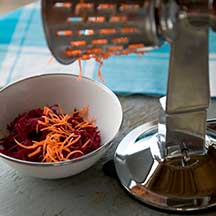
point(66, 90)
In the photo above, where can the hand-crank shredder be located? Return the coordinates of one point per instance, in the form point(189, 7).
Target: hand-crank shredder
point(170, 164)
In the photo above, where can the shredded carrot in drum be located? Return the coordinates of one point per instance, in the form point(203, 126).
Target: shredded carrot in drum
point(49, 135)
point(101, 30)
point(107, 31)
point(99, 55)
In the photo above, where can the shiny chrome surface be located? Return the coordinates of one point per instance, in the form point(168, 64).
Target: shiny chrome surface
point(211, 129)
point(200, 12)
point(188, 90)
point(169, 184)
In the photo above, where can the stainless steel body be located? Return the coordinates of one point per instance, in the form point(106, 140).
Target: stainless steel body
point(166, 183)
point(95, 29)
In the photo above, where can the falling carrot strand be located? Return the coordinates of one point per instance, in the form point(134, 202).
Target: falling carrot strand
point(50, 60)
point(80, 70)
point(99, 72)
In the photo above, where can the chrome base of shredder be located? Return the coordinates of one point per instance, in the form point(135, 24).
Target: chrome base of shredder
point(165, 184)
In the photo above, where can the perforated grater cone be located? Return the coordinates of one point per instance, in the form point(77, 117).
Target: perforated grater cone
point(170, 164)
point(75, 28)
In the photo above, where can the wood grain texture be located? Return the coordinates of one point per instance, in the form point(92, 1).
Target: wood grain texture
point(87, 194)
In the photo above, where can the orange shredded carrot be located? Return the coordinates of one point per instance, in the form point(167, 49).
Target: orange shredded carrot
point(63, 138)
point(98, 19)
point(24, 146)
point(97, 51)
point(81, 6)
point(107, 31)
point(67, 4)
point(84, 113)
point(99, 41)
point(78, 43)
point(72, 142)
point(73, 53)
point(129, 30)
point(86, 143)
point(80, 70)
point(37, 128)
point(118, 18)
point(106, 6)
point(99, 55)
point(35, 152)
point(99, 71)
point(129, 6)
point(50, 60)
point(73, 152)
point(136, 46)
point(120, 40)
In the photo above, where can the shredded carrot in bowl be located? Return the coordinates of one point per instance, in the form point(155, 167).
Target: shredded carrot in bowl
point(49, 135)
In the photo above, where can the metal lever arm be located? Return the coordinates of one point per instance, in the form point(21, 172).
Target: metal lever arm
point(188, 90)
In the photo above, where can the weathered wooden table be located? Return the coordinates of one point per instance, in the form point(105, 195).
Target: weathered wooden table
point(89, 193)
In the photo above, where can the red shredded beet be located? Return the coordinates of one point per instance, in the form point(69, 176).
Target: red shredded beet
point(23, 129)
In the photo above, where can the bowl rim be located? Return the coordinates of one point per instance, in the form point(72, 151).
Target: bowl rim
point(67, 162)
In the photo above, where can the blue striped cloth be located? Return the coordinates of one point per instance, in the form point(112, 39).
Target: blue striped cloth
point(23, 53)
